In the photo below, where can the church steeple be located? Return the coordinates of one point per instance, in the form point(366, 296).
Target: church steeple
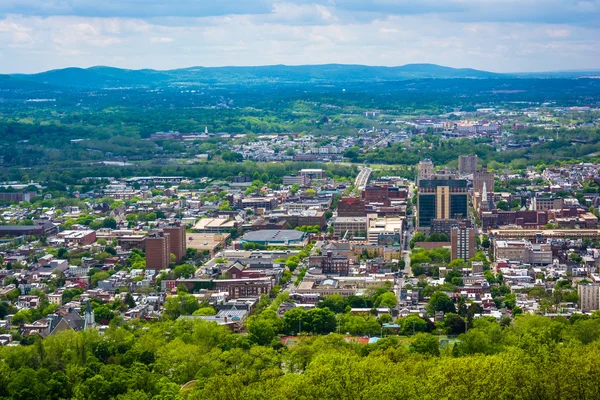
point(88, 317)
point(484, 205)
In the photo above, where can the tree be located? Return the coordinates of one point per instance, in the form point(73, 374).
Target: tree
point(310, 192)
point(205, 311)
point(454, 324)
point(510, 301)
point(129, 300)
point(412, 324)
point(453, 274)
point(182, 304)
point(457, 263)
point(295, 321)
point(261, 332)
point(425, 343)
point(62, 254)
point(99, 276)
point(335, 303)
point(439, 301)
point(322, 320)
point(224, 206)
point(184, 271)
point(388, 300)
point(485, 242)
point(503, 205)
point(292, 263)
point(109, 223)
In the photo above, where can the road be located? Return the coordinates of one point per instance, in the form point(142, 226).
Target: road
point(363, 178)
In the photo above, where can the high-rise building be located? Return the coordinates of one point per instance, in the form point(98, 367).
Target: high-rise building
point(589, 297)
point(467, 164)
point(441, 199)
point(158, 251)
point(462, 239)
point(177, 241)
point(481, 177)
point(424, 170)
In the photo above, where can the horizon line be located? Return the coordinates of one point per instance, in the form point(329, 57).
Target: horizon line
point(594, 69)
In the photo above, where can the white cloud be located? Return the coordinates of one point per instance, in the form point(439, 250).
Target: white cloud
point(558, 33)
point(162, 40)
point(293, 33)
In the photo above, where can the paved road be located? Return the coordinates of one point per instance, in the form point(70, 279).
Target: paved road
point(363, 178)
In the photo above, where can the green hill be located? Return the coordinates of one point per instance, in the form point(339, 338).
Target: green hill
point(105, 77)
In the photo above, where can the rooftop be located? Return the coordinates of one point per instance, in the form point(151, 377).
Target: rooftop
point(269, 235)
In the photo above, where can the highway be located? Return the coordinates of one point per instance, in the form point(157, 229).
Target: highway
point(363, 178)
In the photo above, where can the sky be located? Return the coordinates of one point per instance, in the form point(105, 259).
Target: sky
point(492, 35)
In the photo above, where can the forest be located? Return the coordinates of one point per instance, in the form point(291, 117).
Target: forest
point(532, 357)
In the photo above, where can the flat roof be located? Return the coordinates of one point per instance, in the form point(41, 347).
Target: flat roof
point(214, 223)
point(274, 235)
point(205, 241)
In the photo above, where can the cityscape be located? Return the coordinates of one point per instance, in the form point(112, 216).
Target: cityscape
point(345, 228)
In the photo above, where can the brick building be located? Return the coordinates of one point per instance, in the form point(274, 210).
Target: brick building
point(331, 264)
point(376, 194)
point(158, 252)
point(177, 241)
point(351, 207)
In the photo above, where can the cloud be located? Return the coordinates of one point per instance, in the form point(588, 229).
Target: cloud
point(134, 8)
point(162, 40)
point(577, 12)
point(558, 33)
point(497, 35)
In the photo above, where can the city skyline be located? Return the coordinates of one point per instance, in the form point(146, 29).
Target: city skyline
point(497, 36)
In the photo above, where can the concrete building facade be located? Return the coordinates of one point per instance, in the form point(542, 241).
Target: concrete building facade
point(462, 239)
point(467, 164)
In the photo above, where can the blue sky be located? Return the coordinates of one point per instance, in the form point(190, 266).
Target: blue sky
point(494, 35)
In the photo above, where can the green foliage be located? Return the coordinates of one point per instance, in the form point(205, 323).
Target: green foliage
point(181, 304)
point(547, 357)
point(316, 320)
point(411, 324)
point(426, 344)
point(184, 271)
point(440, 301)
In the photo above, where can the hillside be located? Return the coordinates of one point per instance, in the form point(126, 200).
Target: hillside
point(105, 77)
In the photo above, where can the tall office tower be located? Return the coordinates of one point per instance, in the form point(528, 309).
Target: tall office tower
point(424, 170)
point(467, 164)
point(441, 199)
point(158, 251)
point(480, 177)
point(177, 241)
point(462, 239)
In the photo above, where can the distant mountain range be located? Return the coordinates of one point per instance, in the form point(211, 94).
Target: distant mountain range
point(327, 74)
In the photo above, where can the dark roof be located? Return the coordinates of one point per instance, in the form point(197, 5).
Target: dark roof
point(20, 228)
point(433, 183)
